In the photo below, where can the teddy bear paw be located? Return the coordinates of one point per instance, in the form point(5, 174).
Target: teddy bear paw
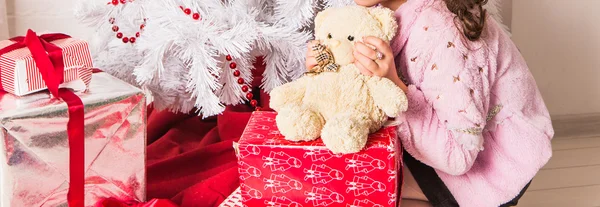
point(299, 124)
point(345, 135)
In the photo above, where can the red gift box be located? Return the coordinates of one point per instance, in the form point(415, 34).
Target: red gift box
point(277, 172)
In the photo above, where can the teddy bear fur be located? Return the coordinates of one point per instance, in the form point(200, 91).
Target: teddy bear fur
point(341, 107)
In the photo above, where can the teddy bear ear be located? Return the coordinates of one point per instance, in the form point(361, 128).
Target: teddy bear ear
point(387, 20)
point(321, 17)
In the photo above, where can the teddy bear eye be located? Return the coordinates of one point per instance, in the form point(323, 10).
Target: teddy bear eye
point(329, 36)
point(351, 38)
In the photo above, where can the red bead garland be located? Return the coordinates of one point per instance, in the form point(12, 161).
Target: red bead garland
point(241, 81)
point(116, 2)
point(188, 11)
point(116, 28)
point(120, 35)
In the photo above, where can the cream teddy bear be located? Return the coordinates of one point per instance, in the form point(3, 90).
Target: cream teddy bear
point(341, 106)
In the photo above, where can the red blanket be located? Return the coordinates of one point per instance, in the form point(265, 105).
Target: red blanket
point(191, 161)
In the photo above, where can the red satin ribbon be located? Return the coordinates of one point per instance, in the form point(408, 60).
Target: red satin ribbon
point(49, 60)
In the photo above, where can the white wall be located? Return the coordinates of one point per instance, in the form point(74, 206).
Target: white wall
point(506, 12)
point(44, 15)
point(561, 42)
point(3, 21)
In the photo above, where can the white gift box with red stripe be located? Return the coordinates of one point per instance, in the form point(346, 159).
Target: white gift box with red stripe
point(20, 76)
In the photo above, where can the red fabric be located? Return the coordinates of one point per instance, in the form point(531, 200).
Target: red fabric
point(113, 202)
point(191, 161)
point(49, 60)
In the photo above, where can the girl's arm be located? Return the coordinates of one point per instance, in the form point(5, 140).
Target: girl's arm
point(448, 105)
point(446, 109)
point(451, 148)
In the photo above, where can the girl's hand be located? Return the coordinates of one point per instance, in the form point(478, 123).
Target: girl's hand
point(311, 61)
point(367, 61)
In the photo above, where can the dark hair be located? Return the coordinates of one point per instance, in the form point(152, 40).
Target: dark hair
point(471, 15)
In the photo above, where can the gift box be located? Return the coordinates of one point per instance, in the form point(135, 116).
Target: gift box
point(35, 145)
point(277, 172)
point(21, 76)
point(233, 200)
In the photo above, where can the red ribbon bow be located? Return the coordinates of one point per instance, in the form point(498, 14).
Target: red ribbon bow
point(49, 60)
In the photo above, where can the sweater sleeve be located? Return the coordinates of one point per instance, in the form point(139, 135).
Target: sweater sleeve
point(452, 150)
point(447, 105)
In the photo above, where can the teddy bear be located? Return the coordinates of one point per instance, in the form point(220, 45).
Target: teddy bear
point(338, 103)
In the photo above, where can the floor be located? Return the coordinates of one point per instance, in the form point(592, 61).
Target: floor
point(572, 177)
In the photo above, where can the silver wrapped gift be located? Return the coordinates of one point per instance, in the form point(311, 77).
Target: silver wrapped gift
point(34, 160)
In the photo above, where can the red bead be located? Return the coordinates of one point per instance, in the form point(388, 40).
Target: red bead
point(137, 34)
point(142, 26)
point(123, 2)
point(236, 73)
point(232, 65)
point(187, 11)
point(132, 40)
point(115, 28)
point(115, 2)
point(111, 20)
point(249, 96)
point(228, 57)
point(240, 81)
point(196, 16)
point(125, 40)
point(181, 7)
point(119, 35)
point(253, 103)
point(245, 88)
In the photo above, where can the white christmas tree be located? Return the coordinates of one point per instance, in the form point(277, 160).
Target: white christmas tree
point(194, 39)
point(117, 24)
point(200, 53)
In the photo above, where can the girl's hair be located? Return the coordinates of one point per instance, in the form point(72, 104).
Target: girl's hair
point(471, 14)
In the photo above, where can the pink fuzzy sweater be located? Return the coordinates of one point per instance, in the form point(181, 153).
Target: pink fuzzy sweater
point(475, 113)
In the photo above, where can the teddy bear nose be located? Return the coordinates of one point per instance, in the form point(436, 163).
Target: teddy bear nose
point(334, 43)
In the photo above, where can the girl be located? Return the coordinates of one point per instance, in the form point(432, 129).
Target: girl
point(477, 129)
